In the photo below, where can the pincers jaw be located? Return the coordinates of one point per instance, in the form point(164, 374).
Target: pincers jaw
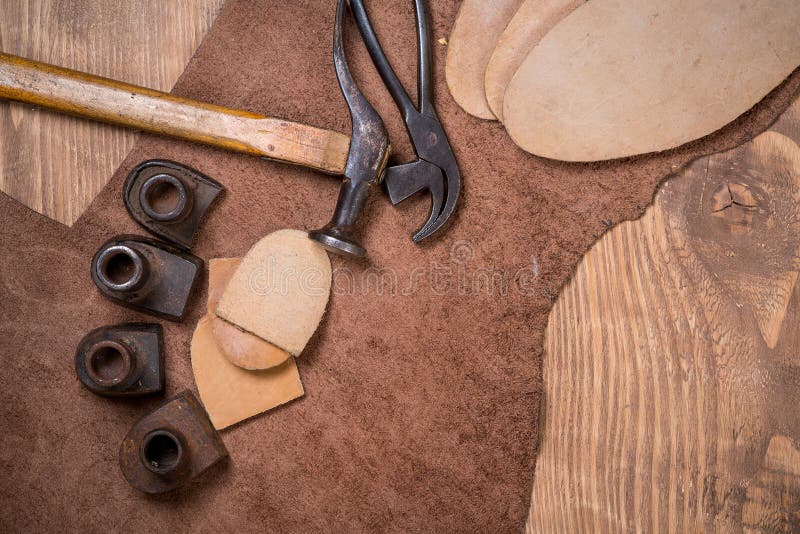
point(404, 181)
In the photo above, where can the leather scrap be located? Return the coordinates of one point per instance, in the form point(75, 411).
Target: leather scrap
point(280, 290)
point(620, 78)
point(241, 348)
point(470, 46)
point(230, 393)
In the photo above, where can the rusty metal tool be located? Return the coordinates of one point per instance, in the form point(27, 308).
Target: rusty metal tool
point(169, 199)
point(435, 170)
point(170, 446)
point(146, 275)
point(366, 161)
point(125, 360)
point(362, 159)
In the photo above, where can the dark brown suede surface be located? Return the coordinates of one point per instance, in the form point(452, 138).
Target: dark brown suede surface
point(422, 395)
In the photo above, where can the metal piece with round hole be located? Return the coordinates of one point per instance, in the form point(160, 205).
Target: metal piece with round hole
point(122, 268)
point(164, 198)
point(124, 360)
point(109, 363)
point(163, 452)
point(169, 199)
point(170, 446)
point(146, 274)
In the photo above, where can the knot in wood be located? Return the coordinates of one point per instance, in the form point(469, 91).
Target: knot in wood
point(735, 203)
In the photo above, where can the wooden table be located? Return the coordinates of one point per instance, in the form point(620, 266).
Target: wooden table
point(56, 165)
point(672, 371)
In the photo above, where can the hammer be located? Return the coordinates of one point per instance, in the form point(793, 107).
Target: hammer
point(361, 159)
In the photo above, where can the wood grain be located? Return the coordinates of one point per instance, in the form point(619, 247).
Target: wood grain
point(671, 371)
point(57, 164)
point(114, 102)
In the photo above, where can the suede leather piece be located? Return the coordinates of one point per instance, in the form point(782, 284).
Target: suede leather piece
point(421, 408)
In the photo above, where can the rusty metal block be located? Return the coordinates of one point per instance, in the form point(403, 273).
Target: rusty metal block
point(170, 446)
point(169, 200)
point(146, 274)
point(125, 360)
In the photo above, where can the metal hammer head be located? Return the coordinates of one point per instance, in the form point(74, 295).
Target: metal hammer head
point(366, 161)
point(435, 170)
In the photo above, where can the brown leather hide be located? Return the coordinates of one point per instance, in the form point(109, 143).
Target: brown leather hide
point(422, 401)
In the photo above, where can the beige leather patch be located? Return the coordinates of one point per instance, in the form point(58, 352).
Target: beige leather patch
point(241, 348)
point(530, 23)
point(244, 349)
point(280, 290)
point(220, 272)
point(478, 25)
point(231, 394)
point(618, 78)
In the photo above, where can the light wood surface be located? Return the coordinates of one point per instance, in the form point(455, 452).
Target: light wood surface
point(114, 102)
point(618, 78)
point(57, 164)
point(672, 376)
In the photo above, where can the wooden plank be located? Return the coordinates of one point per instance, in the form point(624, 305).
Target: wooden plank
point(56, 164)
point(671, 371)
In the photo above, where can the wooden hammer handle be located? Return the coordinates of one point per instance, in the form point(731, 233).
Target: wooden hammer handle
point(115, 102)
